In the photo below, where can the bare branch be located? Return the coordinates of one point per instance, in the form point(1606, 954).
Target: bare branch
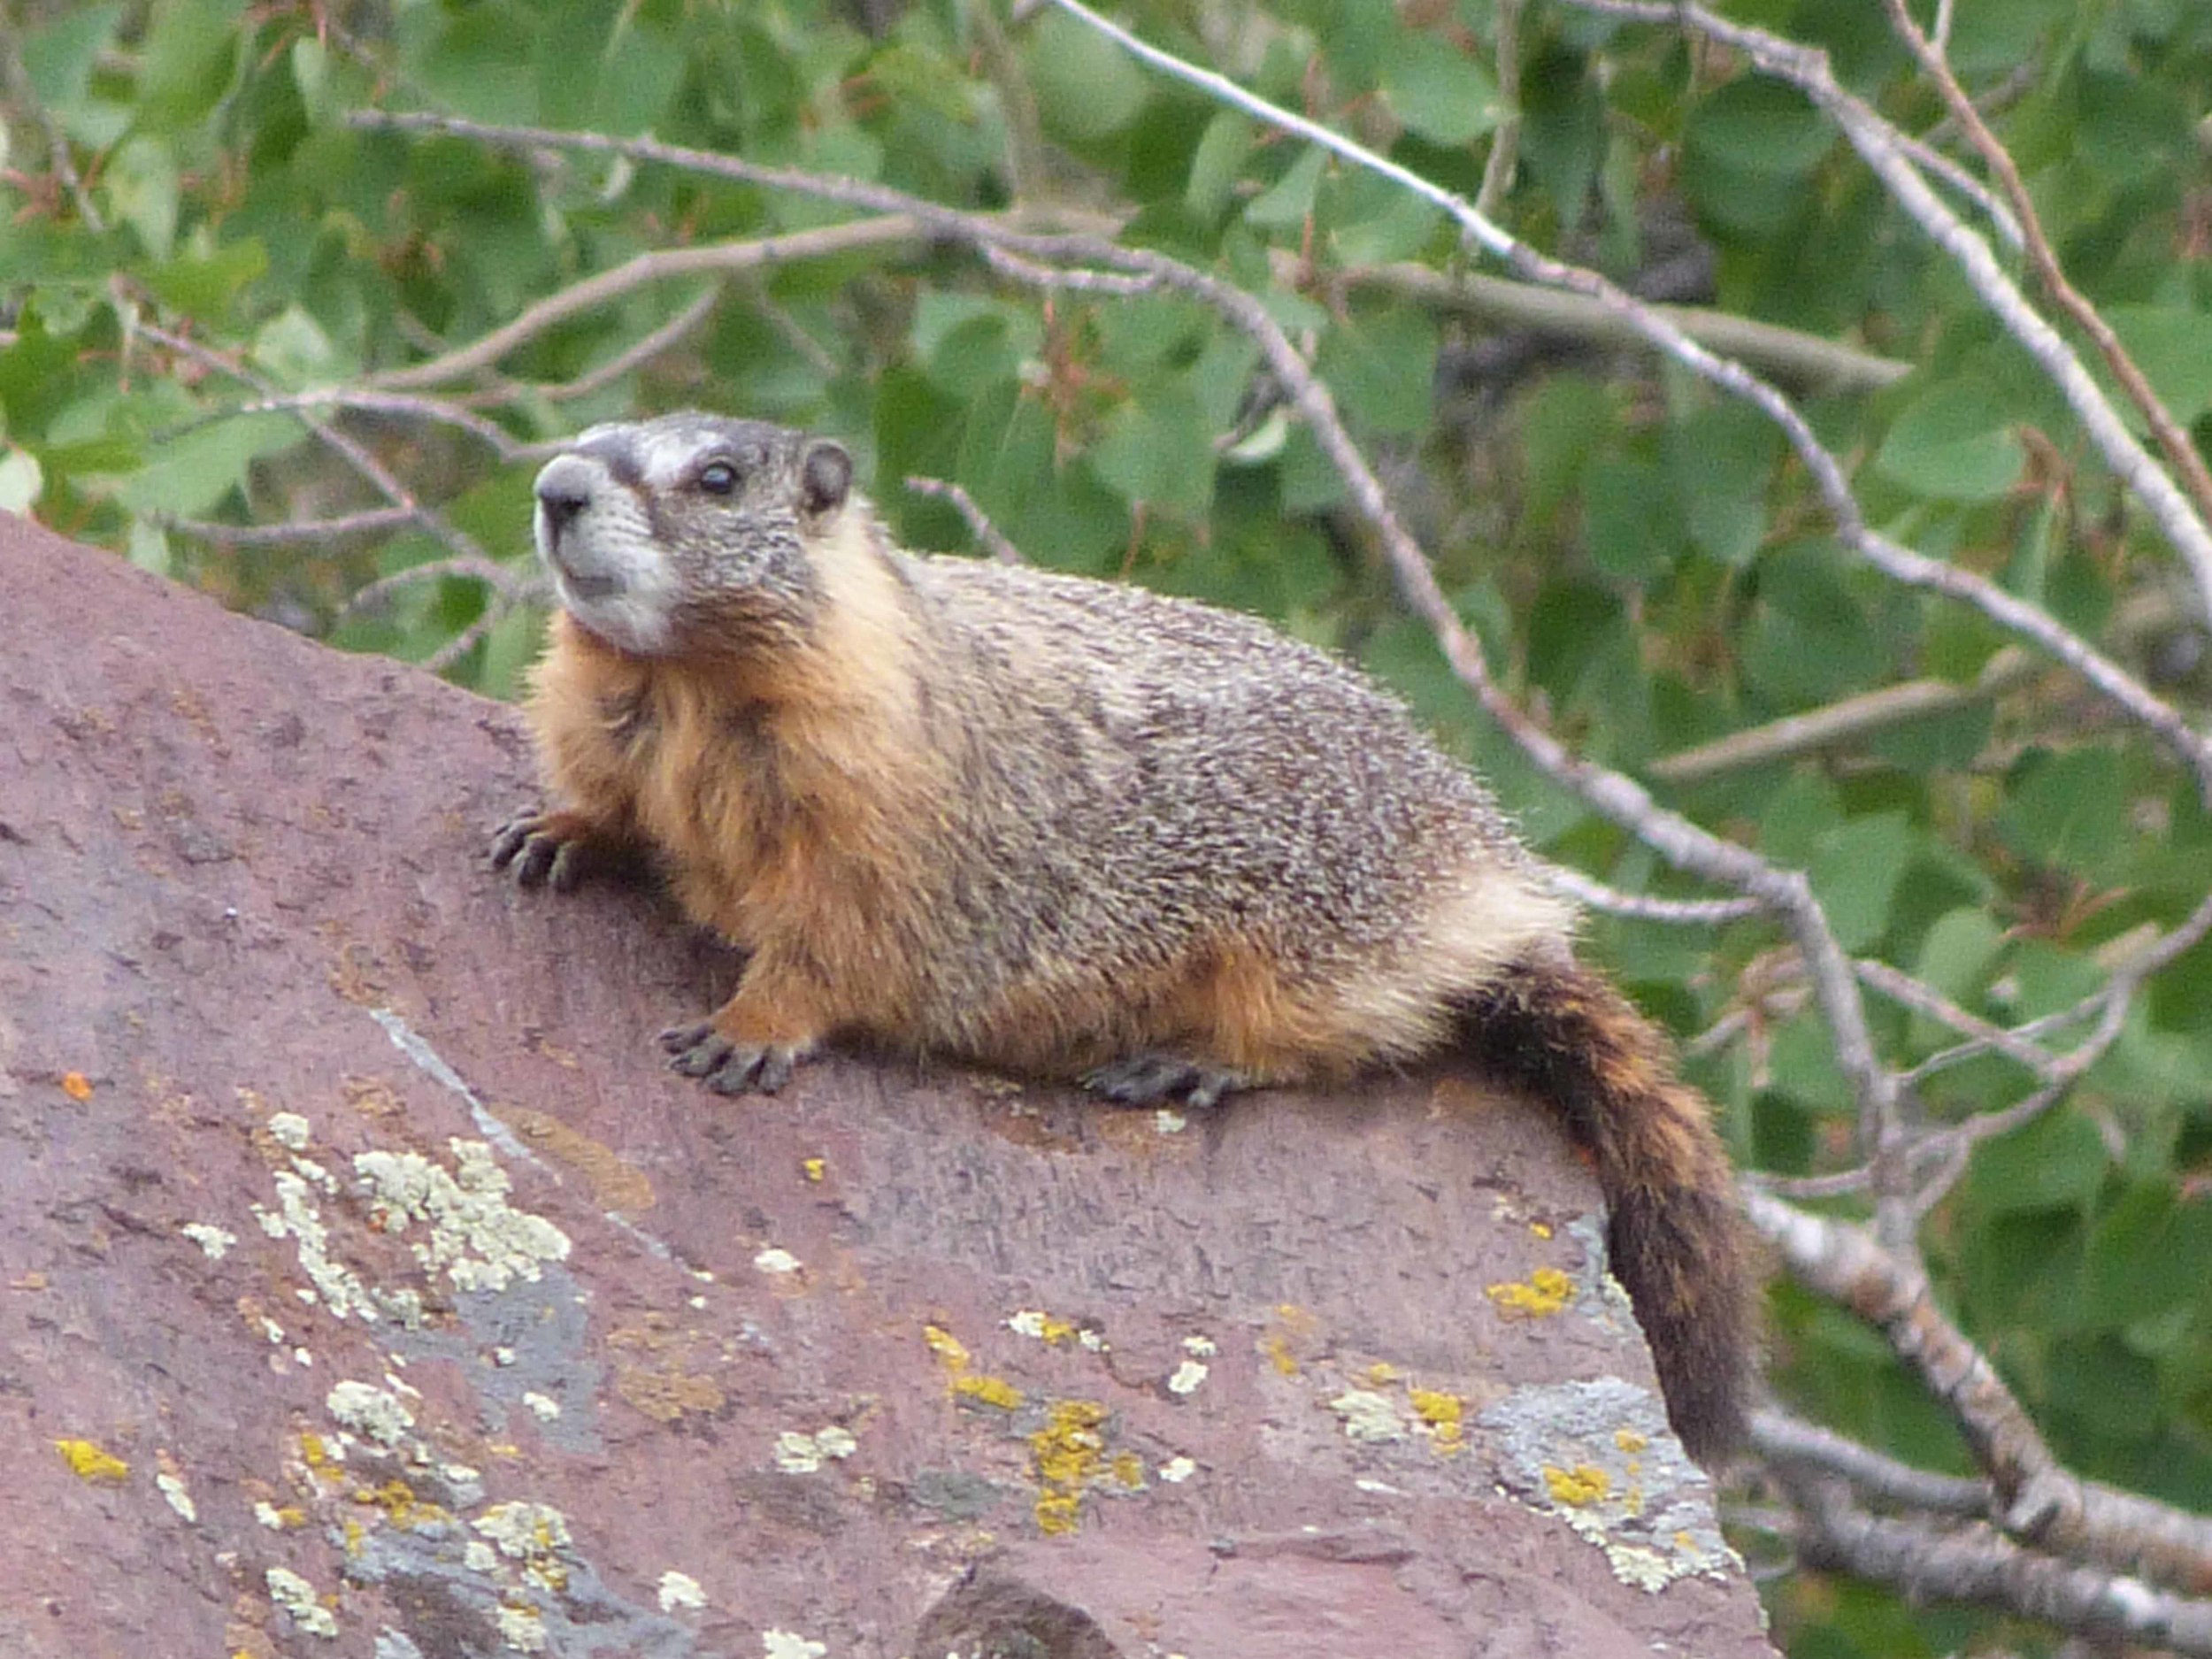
point(1892, 158)
point(1789, 355)
point(1848, 721)
point(2180, 451)
point(2038, 1501)
point(1644, 907)
point(1505, 144)
point(660, 266)
point(985, 533)
point(1794, 1442)
point(1972, 1564)
point(374, 519)
point(1899, 562)
point(637, 352)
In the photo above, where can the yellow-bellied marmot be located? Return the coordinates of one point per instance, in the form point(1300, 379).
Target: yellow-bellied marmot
point(1073, 829)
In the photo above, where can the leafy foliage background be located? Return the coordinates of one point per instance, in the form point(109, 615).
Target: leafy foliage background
point(1647, 567)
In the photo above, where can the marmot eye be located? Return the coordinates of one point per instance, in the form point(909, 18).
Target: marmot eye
point(718, 477)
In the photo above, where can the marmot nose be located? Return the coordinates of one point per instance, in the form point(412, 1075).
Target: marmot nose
point(564, 486)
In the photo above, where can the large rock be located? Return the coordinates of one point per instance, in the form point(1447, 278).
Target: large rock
point(368, 1286)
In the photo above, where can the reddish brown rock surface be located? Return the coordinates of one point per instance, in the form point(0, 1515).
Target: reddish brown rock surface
point(256, 980)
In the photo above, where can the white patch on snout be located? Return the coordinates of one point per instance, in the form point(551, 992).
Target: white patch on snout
point(607, 570)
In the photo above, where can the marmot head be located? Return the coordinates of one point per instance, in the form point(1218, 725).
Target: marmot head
point(689, 532)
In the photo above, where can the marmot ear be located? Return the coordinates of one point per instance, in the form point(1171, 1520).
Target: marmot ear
point(825, 477)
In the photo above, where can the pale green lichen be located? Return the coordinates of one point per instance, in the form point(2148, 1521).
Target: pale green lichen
point(476, 1238)
point(289, 1129)
point(214, 1242)
point(802, 1454)
point(681, 1589)
point(297, 1597)
point(1368, 1417)
point(774, 1260)
point(369, 1411)
point(173, 1494)
point(521, 1627)
point(334, 1283)
point(784, 1644)
point(1185, 1377)
point(534, 1534)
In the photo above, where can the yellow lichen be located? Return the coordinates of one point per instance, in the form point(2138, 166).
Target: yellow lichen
point(313, 1451)
point(75, 1085)
point(1129, 1469)
point(950, 1349)
point(1544, 1293)
point(815, 1168)
point(1583, 1484)
point(1067, 1453)
point(1541, 1229)
point(1382, 1371)
point(990, 1391)
point(398, 1501)
point(1445, 1416)
point(1630, 1441)
point(1276, 1348)
point(88, 1461)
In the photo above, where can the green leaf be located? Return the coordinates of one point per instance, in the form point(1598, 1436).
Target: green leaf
point(190, 474)
point(2069, 810)
point(1954, 442)
point(1087, 87)
point(191, 46)
point(1629, 517)
point(1283, 206)
point(1382, 366)
point(1720, 460)
point(296, 351)
point(1157, 450)
point(1438, 91)
point(1216, 165)
point(1855, 871)
point(20, 479)
point(2058, 1160)
point(142, 187)
point(2173, 347)
point(206, 285)
point(2147, 1253)
point(58, 56)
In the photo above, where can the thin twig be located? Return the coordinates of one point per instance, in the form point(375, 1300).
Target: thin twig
point(660, 266)
point(2180, 451)
point(1505, 144)
point(1791, 1440)
point(373, 519)
point(58, 158)
point(1788, 354)
point(1971, 1563)
point(2039, 1500)
point(1889, 154)
point(1899, 563)
point(1850, 720)
point(980, 524)
point(1644, 907)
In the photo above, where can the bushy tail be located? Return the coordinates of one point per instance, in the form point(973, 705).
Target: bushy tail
point(1678, 1242)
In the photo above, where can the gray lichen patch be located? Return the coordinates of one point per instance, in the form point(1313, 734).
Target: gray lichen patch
point(1598, 1456)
